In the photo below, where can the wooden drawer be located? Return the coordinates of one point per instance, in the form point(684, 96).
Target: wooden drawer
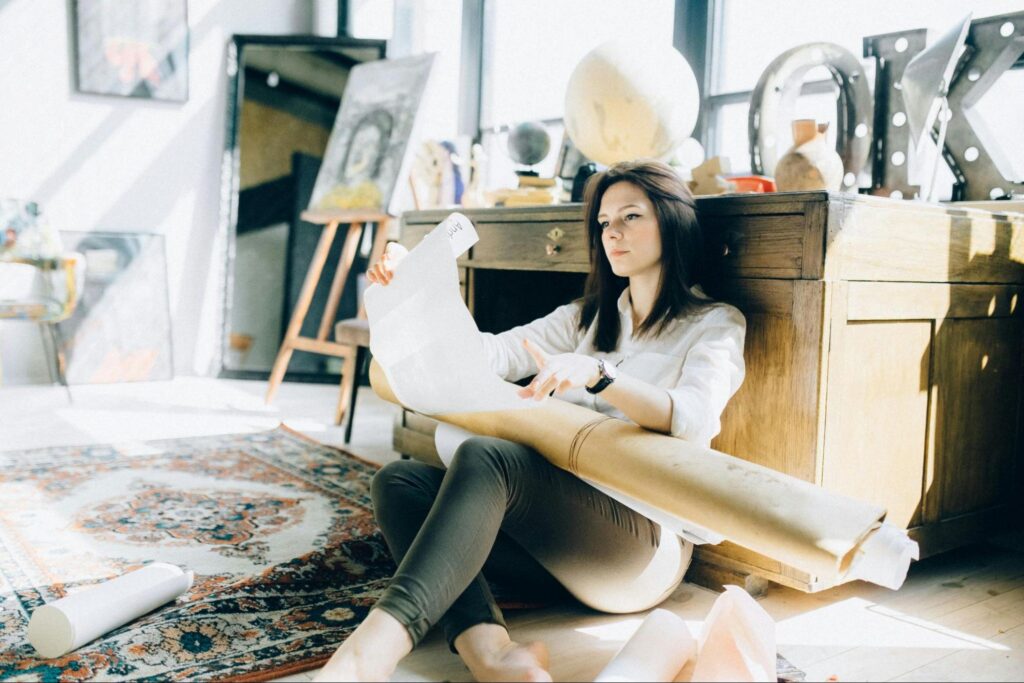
point(758, 246)
point(531, 246)
point(534, 242)
point(765, 236)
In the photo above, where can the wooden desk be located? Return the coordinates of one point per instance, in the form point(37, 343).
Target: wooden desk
point(884, 350)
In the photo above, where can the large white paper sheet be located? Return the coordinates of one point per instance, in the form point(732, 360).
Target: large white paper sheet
point(424, 338)
point(69, 623)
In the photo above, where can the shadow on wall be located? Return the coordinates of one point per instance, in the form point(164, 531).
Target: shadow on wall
point(108, 128)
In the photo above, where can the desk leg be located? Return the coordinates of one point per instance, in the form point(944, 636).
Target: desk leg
point(316, 267)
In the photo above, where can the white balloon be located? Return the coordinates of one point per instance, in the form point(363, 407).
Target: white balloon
point(626, 101)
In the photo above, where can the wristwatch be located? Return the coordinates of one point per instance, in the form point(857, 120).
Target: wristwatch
point(608, 374)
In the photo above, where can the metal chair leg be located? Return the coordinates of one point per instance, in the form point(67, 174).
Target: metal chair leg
point(49, 350)
point(362, 366)
point(58, 358)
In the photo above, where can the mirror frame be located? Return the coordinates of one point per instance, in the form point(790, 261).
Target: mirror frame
point(230, 180)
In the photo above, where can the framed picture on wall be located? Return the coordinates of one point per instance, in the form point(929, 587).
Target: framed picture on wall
point(132, 49)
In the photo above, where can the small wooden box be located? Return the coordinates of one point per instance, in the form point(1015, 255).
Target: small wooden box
point(885, 348)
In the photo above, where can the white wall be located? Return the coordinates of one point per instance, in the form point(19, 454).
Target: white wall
point(120, 164)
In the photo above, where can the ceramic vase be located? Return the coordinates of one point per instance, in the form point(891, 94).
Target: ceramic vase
point(811, 163)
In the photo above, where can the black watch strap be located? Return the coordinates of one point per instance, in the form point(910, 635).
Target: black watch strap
point(602, 383)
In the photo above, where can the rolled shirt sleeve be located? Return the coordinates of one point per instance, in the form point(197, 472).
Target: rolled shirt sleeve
point(556, 332)
point(712, 372)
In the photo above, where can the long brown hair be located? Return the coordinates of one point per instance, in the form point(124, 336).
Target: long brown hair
point(682, 249)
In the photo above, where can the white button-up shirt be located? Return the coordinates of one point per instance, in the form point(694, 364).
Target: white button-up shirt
point(697, 359)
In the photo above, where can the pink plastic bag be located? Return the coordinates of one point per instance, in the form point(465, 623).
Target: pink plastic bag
point(737, 642)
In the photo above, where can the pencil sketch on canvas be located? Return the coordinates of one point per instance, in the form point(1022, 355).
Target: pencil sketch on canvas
point(368, 149)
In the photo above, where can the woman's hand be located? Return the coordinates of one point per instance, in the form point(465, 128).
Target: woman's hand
point(382, 271)
point(558, 373)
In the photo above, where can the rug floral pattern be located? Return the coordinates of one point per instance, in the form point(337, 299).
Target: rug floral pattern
point(278, 529)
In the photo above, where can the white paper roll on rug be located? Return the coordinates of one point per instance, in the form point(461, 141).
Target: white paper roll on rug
point(657, 651)
point(69, 623)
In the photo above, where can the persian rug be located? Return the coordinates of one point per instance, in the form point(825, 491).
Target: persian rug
point(277, 528)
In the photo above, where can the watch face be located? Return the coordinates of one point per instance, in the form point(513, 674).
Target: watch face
point(610, 370)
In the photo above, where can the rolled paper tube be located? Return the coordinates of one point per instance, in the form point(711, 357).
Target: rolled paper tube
point(69, 623)
point(775, 514)
point(657, 652)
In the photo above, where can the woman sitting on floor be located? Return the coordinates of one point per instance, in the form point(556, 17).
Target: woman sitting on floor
point(643, 344)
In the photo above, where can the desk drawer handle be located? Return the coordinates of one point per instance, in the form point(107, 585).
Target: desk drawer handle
point(731, 245)
point(552, 249)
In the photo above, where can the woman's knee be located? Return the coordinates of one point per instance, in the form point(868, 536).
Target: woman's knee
point(400, 480)
point(491, 457)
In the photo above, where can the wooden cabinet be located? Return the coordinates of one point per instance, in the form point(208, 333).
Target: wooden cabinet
point(885, 348)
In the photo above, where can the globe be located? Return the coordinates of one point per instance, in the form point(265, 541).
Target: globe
point(528, 143)
point(624, 103)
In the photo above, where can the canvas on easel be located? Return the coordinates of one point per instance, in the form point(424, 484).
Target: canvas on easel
point(368, 150)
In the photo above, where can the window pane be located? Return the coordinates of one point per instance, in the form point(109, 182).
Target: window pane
point(532, 46)
point(753, 34)
point(500, 170)
point(730, 137)
point(434, 26)
point(370, 18)
point(1004, 125)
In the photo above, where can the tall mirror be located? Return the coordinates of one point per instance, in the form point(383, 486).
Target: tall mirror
point(284, 95)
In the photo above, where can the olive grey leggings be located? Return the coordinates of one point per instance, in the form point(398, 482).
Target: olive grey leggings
point(503, 508)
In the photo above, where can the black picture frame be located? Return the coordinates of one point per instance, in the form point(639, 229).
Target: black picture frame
point(133, 49)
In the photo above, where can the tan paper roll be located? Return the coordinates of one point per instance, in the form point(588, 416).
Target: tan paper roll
point(766, 511)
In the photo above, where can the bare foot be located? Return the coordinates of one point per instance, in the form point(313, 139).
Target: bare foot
point(350, 666)
point(513, 662)
point(370, 653)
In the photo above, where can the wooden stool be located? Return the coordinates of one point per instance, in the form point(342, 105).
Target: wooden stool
point(354, 333)
point(320, 344)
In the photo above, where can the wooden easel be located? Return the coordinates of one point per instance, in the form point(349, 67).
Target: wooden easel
point(320, 344)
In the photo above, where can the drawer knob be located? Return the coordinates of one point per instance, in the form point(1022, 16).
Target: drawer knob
point(552, 249)
point(731, 245)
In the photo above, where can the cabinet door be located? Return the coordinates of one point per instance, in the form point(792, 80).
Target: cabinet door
point(774, 418)
point(924, 399)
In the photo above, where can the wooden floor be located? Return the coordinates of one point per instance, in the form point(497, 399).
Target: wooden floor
point(959, 617)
